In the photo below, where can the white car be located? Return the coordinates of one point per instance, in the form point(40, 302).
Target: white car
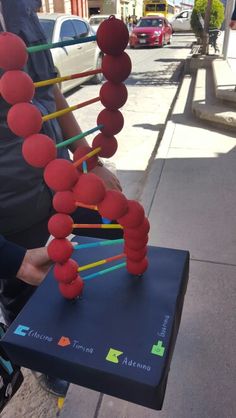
point(181, 22)
point(74, 58)
point(96, 20)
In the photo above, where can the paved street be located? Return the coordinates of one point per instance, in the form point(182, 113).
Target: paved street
point(146, 110)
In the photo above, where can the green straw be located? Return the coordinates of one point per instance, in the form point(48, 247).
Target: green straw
point(99, 243)
point(79, 136)
point(43, 47)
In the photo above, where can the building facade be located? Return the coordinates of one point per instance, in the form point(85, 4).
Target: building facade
point(85, 8)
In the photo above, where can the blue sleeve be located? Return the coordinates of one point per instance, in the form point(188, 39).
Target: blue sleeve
point(11, 257)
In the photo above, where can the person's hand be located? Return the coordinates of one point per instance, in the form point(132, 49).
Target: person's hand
point(35, 266)
point(110, 180)
point(232, 24)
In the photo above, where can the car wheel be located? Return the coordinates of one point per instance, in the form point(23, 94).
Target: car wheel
point(98, 78)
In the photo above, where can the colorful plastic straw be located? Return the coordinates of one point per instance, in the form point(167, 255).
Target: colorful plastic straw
point(100, 262)
point(63, 112)
point(43, 47)
point(103, 226)
point(87, 156)
point(56, 80)
point(79, 136)
point(101, 272)
point(99, 244)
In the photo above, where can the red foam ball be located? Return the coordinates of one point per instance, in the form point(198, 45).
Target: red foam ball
point(24, 119)
point(81, 152)
point(112, 36)
point(137, 268)
point(38, 150)
point(108, 145)
point(116, 69)
point(113, 96)
point(89, 189)
point(66, 272)
point(139, 231)
point(134, 215)
point(73, 289)
point(64, 202)
point(16, 87)
point(13, 52)
point(60, 175)
point(135, 255)
point(136, 244)
point(112, 121)
point(113, 205)
point(60, 225)
point(60, 250)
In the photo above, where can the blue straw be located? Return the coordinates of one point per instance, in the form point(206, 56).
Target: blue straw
point(99, 243)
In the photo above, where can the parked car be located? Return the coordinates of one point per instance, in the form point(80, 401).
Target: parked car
point(181, 22)
point(74, 58)
point(151, 31)
point(95, 21)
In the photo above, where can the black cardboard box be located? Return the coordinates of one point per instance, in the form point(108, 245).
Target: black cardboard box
point(118, 338)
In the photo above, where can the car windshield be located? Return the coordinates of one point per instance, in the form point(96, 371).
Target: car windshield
point(96, 20)
point(47, 26)
point(149, 23)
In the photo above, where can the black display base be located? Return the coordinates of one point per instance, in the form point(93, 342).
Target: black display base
point(118, 338)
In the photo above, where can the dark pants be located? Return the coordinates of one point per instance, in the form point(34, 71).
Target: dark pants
point(14, 293)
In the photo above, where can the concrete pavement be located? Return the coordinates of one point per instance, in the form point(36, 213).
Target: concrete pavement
point(190, 198)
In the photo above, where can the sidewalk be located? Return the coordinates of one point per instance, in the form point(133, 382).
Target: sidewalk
point(190, 197)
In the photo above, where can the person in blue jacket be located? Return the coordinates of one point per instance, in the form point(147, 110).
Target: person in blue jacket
point(25, 199)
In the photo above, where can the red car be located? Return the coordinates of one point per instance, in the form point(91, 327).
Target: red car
point(151, 31)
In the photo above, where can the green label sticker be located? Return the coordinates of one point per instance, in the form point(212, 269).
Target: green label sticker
point(158, 349)
point(113, 355)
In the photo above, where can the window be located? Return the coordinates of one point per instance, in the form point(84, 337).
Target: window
point(80, 27)
point(67, 31)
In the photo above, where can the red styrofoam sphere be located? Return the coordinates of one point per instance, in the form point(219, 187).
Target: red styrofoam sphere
point(116, 69)
point(60, 225)
point(16, 87)
point(139, 231)
point(60, 175)
point(81, 152)
point(113, 205)
point(135, 255)
point(89, 189)
point(134, 215)
point(60, 250)
point(137, 268)
point(64, 202)
point(136, 244)
point(66, 272)
point(13, 52)
point(38, 150)
point(24, 119)
point(73, 289)
point(113, 96)
point(112, 121)
point(112, 36)
point(108, 145)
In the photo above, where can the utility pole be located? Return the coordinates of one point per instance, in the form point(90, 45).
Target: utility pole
point(205, 43)
point(228, 13)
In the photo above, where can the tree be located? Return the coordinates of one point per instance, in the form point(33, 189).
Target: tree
point(198, 16)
